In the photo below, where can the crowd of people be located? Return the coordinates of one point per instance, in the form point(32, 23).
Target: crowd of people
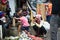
point(22, 20)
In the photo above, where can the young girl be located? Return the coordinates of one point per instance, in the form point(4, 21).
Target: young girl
point(24, 22)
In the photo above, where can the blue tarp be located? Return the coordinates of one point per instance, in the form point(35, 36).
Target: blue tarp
point(1, 13)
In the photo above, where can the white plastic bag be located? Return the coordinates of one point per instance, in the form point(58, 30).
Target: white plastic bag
point(46, 25)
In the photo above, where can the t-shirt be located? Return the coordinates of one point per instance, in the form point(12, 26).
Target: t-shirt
point(24, 21)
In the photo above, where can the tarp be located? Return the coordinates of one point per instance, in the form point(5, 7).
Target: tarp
point(1, 13)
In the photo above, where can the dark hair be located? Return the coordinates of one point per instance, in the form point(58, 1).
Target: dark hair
point(21, 14)
point(24, 5)
point(18, 9)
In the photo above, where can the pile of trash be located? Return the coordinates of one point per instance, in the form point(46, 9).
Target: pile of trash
point(28, 36)
point(23, 36)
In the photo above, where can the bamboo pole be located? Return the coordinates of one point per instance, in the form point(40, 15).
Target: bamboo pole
point(31, 28)
point(13, 22)
point(31, 17)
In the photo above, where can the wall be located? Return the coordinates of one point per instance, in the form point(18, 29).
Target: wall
point(12, 6)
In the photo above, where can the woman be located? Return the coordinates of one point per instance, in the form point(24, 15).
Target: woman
point(38, 26)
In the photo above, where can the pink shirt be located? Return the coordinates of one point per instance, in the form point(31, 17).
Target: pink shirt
point(24, 21)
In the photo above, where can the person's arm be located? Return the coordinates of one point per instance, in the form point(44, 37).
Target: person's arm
point(16, 18)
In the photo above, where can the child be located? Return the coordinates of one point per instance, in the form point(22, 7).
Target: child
point(24, 22)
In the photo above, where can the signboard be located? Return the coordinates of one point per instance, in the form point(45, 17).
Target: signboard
point(41, 10)
point(38, 9)
point(44, 9)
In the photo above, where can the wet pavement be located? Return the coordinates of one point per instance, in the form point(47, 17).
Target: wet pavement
point(48, 35)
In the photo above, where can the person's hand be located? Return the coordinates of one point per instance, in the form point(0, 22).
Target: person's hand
point(14, 17)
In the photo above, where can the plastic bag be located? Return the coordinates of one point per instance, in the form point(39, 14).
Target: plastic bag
point(46, 25)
